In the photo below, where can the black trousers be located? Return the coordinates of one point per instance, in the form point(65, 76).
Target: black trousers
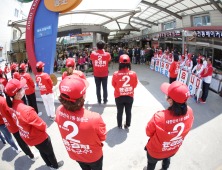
point(47, 153)
point(152, 162)
point(98, 165)
point(25, 148)
point(138, 59)
point(121, 103)
point(171, 80)
point(103, 81)
point(205, 91)
point(32, 101)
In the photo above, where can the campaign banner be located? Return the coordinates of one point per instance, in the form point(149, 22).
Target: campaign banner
point(166, 69)
point(192, 84)
point(198, 85)
point(162, 68)
point(183, 76)
point(152, 64)
point(178, 75)
point(157, 65)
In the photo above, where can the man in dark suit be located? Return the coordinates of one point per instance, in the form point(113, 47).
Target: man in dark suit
point(120, 51)
point(137, 54)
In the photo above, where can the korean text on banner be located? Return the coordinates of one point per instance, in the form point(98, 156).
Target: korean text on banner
point(157, 66)
point(198, 85)
point(162, 68)
point(191, 84)
point(183, 76)
point(152, 64)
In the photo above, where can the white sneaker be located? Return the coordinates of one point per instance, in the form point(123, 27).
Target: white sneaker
point(40, 114)
point(36, 156)
point(18, 151)
point(52, 118)
point(60, 164)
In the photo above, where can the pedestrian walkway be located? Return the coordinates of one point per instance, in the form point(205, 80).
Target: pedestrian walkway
point(124, 150)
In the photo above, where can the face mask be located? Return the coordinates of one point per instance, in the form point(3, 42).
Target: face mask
point(16, 68)
point(2, 87)
point(80, 57)
point(22, 92)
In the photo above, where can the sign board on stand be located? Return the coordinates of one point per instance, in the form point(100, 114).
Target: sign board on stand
point(157, 66)
point(162, 64)
point(152, 64)
point(183, 76)
point(191, 84)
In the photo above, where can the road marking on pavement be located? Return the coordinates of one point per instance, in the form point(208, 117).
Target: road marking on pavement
point(219, 168)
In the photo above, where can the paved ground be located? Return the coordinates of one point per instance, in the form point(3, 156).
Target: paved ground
point(124, 150)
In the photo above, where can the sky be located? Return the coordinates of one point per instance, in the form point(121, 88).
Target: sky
point(98, 4)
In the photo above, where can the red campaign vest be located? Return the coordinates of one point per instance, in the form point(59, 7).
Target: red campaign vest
point(199, 66)
point(167, 133)
point(181, 61)
point(188, 62)
point(7, 70)
point(124, 82)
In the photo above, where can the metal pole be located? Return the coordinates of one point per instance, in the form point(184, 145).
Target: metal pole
point(6, 52)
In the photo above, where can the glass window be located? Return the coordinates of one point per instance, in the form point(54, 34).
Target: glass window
point(164, 27)
point(169, 25)
point(197, 21)
point(16, 13)
point(217, 59)
point(202, 21)
point(14, 34)
point(206, 20)
point(175, 25)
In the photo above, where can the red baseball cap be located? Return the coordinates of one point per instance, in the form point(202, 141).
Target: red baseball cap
point(40, 65)
point(189, 55)
point(170, 54)
point(177, 91)
point(70, 62)
point(124, 59)
point(183, 56)
point(22, 66)
point(74, 87)
point(13, 66)
point(13, 86)
point(1, 72)
point(166, 52)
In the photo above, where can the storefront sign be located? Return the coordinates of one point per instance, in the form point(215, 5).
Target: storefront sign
point(191, 39)
point(155, 39)
point(208, 34)
point(79, 38)
point(81, 35)
point(45, 31)
point(177, 33)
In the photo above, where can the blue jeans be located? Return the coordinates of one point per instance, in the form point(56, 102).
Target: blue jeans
point(2, 138)
point(142, 59)
point(8, 136)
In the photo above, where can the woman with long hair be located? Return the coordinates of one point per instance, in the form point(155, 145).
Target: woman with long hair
point(124, 81)
point(70, 63)
point(168, 128)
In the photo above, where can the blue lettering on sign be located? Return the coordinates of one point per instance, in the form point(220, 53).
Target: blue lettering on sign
point(157, 69)
point(190, 88)
point(161, 71)
point(44, 31)
point(166, 73)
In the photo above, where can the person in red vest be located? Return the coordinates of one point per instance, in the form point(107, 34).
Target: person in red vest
point(168, 128)
point(100, 70)
point(207, 77)
point(2, 79)
point(14, 71)
point(70, 63)
point(82, 131)
point(7, 71)
point(45, 85)
point(31, 127)
point(16, 75)
point(182, 61)
point(170, 58)
point(124, 81)
point(189, 64)
point(199, 67)
point(174, 68)
point(81, 62)
point(29, 88)
point(12, 127)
